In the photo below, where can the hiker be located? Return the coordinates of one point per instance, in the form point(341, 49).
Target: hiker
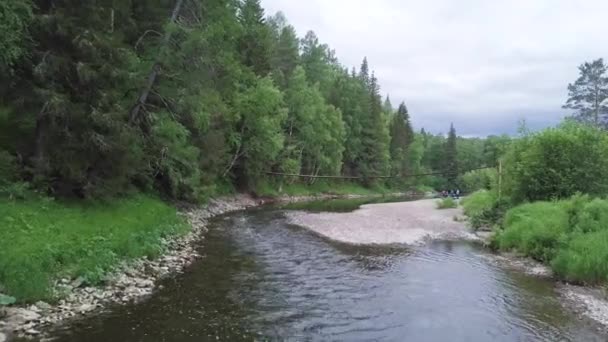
point(457, 193)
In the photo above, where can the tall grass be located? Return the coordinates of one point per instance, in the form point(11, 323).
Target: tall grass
point(43, 239)
point(483, 208)
point(570, 235)
point(447, 203)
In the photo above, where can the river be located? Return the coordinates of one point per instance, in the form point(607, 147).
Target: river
point(263, 279)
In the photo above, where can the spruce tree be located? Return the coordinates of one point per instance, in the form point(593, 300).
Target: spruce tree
point(255, 44)
point(451, 157)
point(402, 137)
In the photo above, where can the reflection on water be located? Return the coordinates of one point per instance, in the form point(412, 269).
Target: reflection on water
point(264, 280)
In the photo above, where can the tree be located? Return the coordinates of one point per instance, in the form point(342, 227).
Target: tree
point(402, 137)
point(451, 157)
point(589, 93)
point(255, 44)
point(260, 140)
point(375, 137)
point(286, 55)
point(557, 163)
point(15, 17)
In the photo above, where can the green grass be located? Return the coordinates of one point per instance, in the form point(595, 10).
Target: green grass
point(43, 239)
point(447, 203)
point(570, 235)
point(271, 189)
point(483, 208)
point(584, 259)
point(535, 229)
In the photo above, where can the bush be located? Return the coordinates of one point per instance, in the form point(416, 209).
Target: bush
point(557, 163)
point(483, 208)
point(447, 203)
point(535, 229)
point(43, 240)
point(478, 180)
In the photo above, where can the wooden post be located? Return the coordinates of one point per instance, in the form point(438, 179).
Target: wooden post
point(499, 179)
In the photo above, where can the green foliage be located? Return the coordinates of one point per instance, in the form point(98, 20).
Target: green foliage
point(451, 157)
point(484, 209)
point(43, 239)
point(7, 300)
point(571, 235)
point(262, 115)
point(15, 17)
point(478, 180)
point(587, 95)
point(584, 259)
point(402, 136)
point(447, 203)
point(557, 163)
point(535, 229)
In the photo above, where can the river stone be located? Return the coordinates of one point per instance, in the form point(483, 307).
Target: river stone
point(25, 315)
point(86, 308)
point(43, 306)
point(78, 282)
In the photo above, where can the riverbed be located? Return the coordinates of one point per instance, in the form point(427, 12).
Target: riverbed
point(264, 278)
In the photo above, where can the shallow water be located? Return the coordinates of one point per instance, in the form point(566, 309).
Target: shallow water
point(262, 279)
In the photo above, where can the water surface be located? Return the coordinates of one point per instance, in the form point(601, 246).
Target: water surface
point(262, 279)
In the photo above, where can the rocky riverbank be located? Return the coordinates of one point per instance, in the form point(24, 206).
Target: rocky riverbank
point(131, 281)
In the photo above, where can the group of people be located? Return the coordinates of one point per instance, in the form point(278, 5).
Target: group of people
point(455, 194)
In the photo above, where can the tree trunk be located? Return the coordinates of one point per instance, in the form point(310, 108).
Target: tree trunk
point(143, 97)
point(40, 141)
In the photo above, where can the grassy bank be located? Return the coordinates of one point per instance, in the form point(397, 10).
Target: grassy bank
point(274, 189)
point(43, 239)
point(569, 235)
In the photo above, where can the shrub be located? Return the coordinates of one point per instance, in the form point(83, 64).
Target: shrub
point(483, 208)
point(535, 229)
point(447, 203)
point(478, 180)
point(557, 163)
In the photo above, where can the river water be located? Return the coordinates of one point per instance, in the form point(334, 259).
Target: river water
point(262, 279)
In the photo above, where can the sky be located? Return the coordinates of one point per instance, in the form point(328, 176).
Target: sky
point(483, 65)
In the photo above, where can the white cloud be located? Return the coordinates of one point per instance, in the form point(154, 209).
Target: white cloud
point(480, 64)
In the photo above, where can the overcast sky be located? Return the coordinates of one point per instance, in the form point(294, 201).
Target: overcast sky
point(481, 64)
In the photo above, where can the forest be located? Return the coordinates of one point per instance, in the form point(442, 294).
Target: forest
point(191, 99)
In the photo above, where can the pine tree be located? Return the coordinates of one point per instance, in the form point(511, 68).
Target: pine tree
point(588, 96)
point(451, 157)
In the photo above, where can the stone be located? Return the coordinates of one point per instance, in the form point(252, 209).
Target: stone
point(26, 315)
point(32, 332)
point(86, 308)
point(43, 306)
point(3, 337)
point(78, 282)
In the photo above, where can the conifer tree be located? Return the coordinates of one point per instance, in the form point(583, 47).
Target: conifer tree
point(255, 44)
point(451, 157)
point(402, 137)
